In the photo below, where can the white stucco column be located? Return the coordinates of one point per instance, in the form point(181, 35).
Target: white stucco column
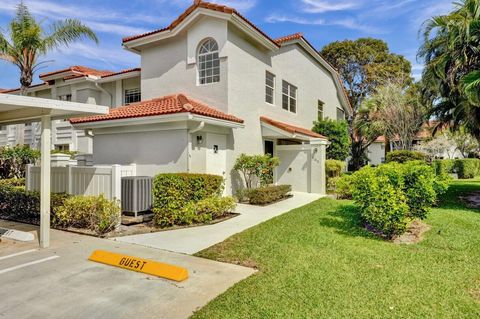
point(45, 182)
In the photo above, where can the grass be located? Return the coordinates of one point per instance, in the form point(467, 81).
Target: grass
point(318, 262)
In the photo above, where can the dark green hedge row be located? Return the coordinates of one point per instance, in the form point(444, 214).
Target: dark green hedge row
point(405, 156)
point(172, 192)
point(465, 168)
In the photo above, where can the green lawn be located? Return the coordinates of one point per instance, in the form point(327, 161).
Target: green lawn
point(317, 262)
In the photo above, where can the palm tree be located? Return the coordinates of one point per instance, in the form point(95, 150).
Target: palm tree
point(451, 79)
point(28, 40)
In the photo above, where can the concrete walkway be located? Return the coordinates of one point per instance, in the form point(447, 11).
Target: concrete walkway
point(193, 240)
point(59, 282)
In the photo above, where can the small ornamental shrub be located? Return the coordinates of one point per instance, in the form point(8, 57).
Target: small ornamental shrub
point(444, 167)
point(332, 184)
point(243, 195)
point(15, 182)
point(334, 168)
point(269, 194)
point(344, 187)
point(206, 210)
point(391, 195)
point(467, 167)
point(95, 213)
point(256, 169)
point(405, 156)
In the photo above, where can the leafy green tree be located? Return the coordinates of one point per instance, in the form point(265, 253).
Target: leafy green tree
point(364, 65)
point(337, 133)
point(451, 78)
point(28, 40)
point(256, 169)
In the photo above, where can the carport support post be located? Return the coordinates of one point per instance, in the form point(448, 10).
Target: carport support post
point(45, 182)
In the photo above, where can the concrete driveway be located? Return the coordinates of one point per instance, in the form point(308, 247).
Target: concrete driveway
point(195, 239)
point(60, 282)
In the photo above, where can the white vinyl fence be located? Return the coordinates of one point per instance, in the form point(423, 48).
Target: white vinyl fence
point(83, 180)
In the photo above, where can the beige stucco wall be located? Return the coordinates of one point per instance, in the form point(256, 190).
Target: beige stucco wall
point(376, 153)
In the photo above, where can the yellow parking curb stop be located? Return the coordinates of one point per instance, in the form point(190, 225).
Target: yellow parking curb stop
point(145, 266)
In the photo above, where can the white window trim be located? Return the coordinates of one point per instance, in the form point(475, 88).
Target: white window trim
point(274, 88)
point(199, 78)
point(290, 85)
point(320, 103)
point(138, 91)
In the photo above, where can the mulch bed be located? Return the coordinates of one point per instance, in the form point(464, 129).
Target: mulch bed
point(472, 200)
point(414, 233)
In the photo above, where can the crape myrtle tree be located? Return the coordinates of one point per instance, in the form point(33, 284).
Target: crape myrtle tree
point(364, 65)
point(451, 78)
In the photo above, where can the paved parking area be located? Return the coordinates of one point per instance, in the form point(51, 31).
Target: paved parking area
point(195, 239)
point(60, 282)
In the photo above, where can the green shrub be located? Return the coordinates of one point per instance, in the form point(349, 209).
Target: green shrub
point(334, 168)
point(19, 205)
point(243, 195)
point(391, 195)
point(95, 213)
point(172, 192)
point(337, 134)
point(269, 194)
point(332, 184)
point(14, 160)
point(206, 210)
point(15, 182)
point(256, 168)
point(344, 187)
point(467, 168)
point(444, 167)
point(405, 156)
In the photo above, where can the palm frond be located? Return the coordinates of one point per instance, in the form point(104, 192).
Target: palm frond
point(65, 32)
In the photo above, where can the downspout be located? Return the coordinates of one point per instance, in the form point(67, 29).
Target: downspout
point(189, 150)
point(97, 85)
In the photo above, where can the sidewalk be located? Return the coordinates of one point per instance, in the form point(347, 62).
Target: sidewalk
point(195, 239)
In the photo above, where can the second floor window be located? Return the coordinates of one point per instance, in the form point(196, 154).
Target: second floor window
point(66, 97)
point(133, 96)
point(208, 62)
point(320, 110)
point(289, 97)
point(270, 88)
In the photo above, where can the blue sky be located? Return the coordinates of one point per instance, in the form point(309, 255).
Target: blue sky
point(321, 21)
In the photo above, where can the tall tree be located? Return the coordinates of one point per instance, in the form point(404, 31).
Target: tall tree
point(27, 40)
point(451, 78)
point(364, 65)
point(337, 133)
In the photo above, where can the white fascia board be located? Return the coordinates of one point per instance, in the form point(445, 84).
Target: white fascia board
point(279, 131)
point(217, 122)
point(254, 33)
point(122, 76)
point(326, 65)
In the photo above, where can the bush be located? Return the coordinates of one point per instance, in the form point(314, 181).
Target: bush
point(467, 168)
point(344, 187)
point(393, 194)
point(444, 167)
point(95, 213)
point(19, 205)
point(243, 195)
point(173, 192)
point(269, 194)
point(15, 182)
point(405, 156)
point(334, 168)
point(14, 160)
point(206, 210)
point(256, 168)
point(332, 184)
point(337, 134)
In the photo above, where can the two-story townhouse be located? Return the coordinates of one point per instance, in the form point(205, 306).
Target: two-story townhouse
point(78, 84)
point(215, 86)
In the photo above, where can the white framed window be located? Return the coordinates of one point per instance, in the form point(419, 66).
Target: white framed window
point(133, 96)
point(62, 147)
point(270, 88)
point(289, 97)
point(340, 114)
point(66, 97)
point(208, 61)
point(321, 106)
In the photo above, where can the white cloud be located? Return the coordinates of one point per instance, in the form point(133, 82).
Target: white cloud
point(349, 23)
point(321, 6)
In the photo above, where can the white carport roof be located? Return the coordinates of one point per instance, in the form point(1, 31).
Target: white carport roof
point(15, 109)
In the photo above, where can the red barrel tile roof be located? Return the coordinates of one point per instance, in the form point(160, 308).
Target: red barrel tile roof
point(171, 104)
point(80, 70)
point(291, 128)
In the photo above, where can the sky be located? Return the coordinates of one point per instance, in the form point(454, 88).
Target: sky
point(321, 21)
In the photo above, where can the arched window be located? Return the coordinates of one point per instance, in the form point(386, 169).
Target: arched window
point(208, 62)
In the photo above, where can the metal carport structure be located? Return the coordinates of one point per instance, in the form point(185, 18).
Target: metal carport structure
point(15, 109)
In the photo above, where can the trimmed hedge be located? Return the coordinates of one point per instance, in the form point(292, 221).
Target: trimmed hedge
point(405, 156)
point(269, 194)
point(173, 192)
point(444, 167)
point(344, 187)
point(206, 210)
point(19, 205)
point(334, 168)
point(393, 194)
point(95, 213)
point(467, 168)
point(15, 182)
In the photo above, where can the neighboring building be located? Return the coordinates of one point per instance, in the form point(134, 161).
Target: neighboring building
point(214, 86)
point(377, 152)
point(77, 84)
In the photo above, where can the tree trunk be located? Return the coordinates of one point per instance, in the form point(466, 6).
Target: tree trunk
point(26, 78)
